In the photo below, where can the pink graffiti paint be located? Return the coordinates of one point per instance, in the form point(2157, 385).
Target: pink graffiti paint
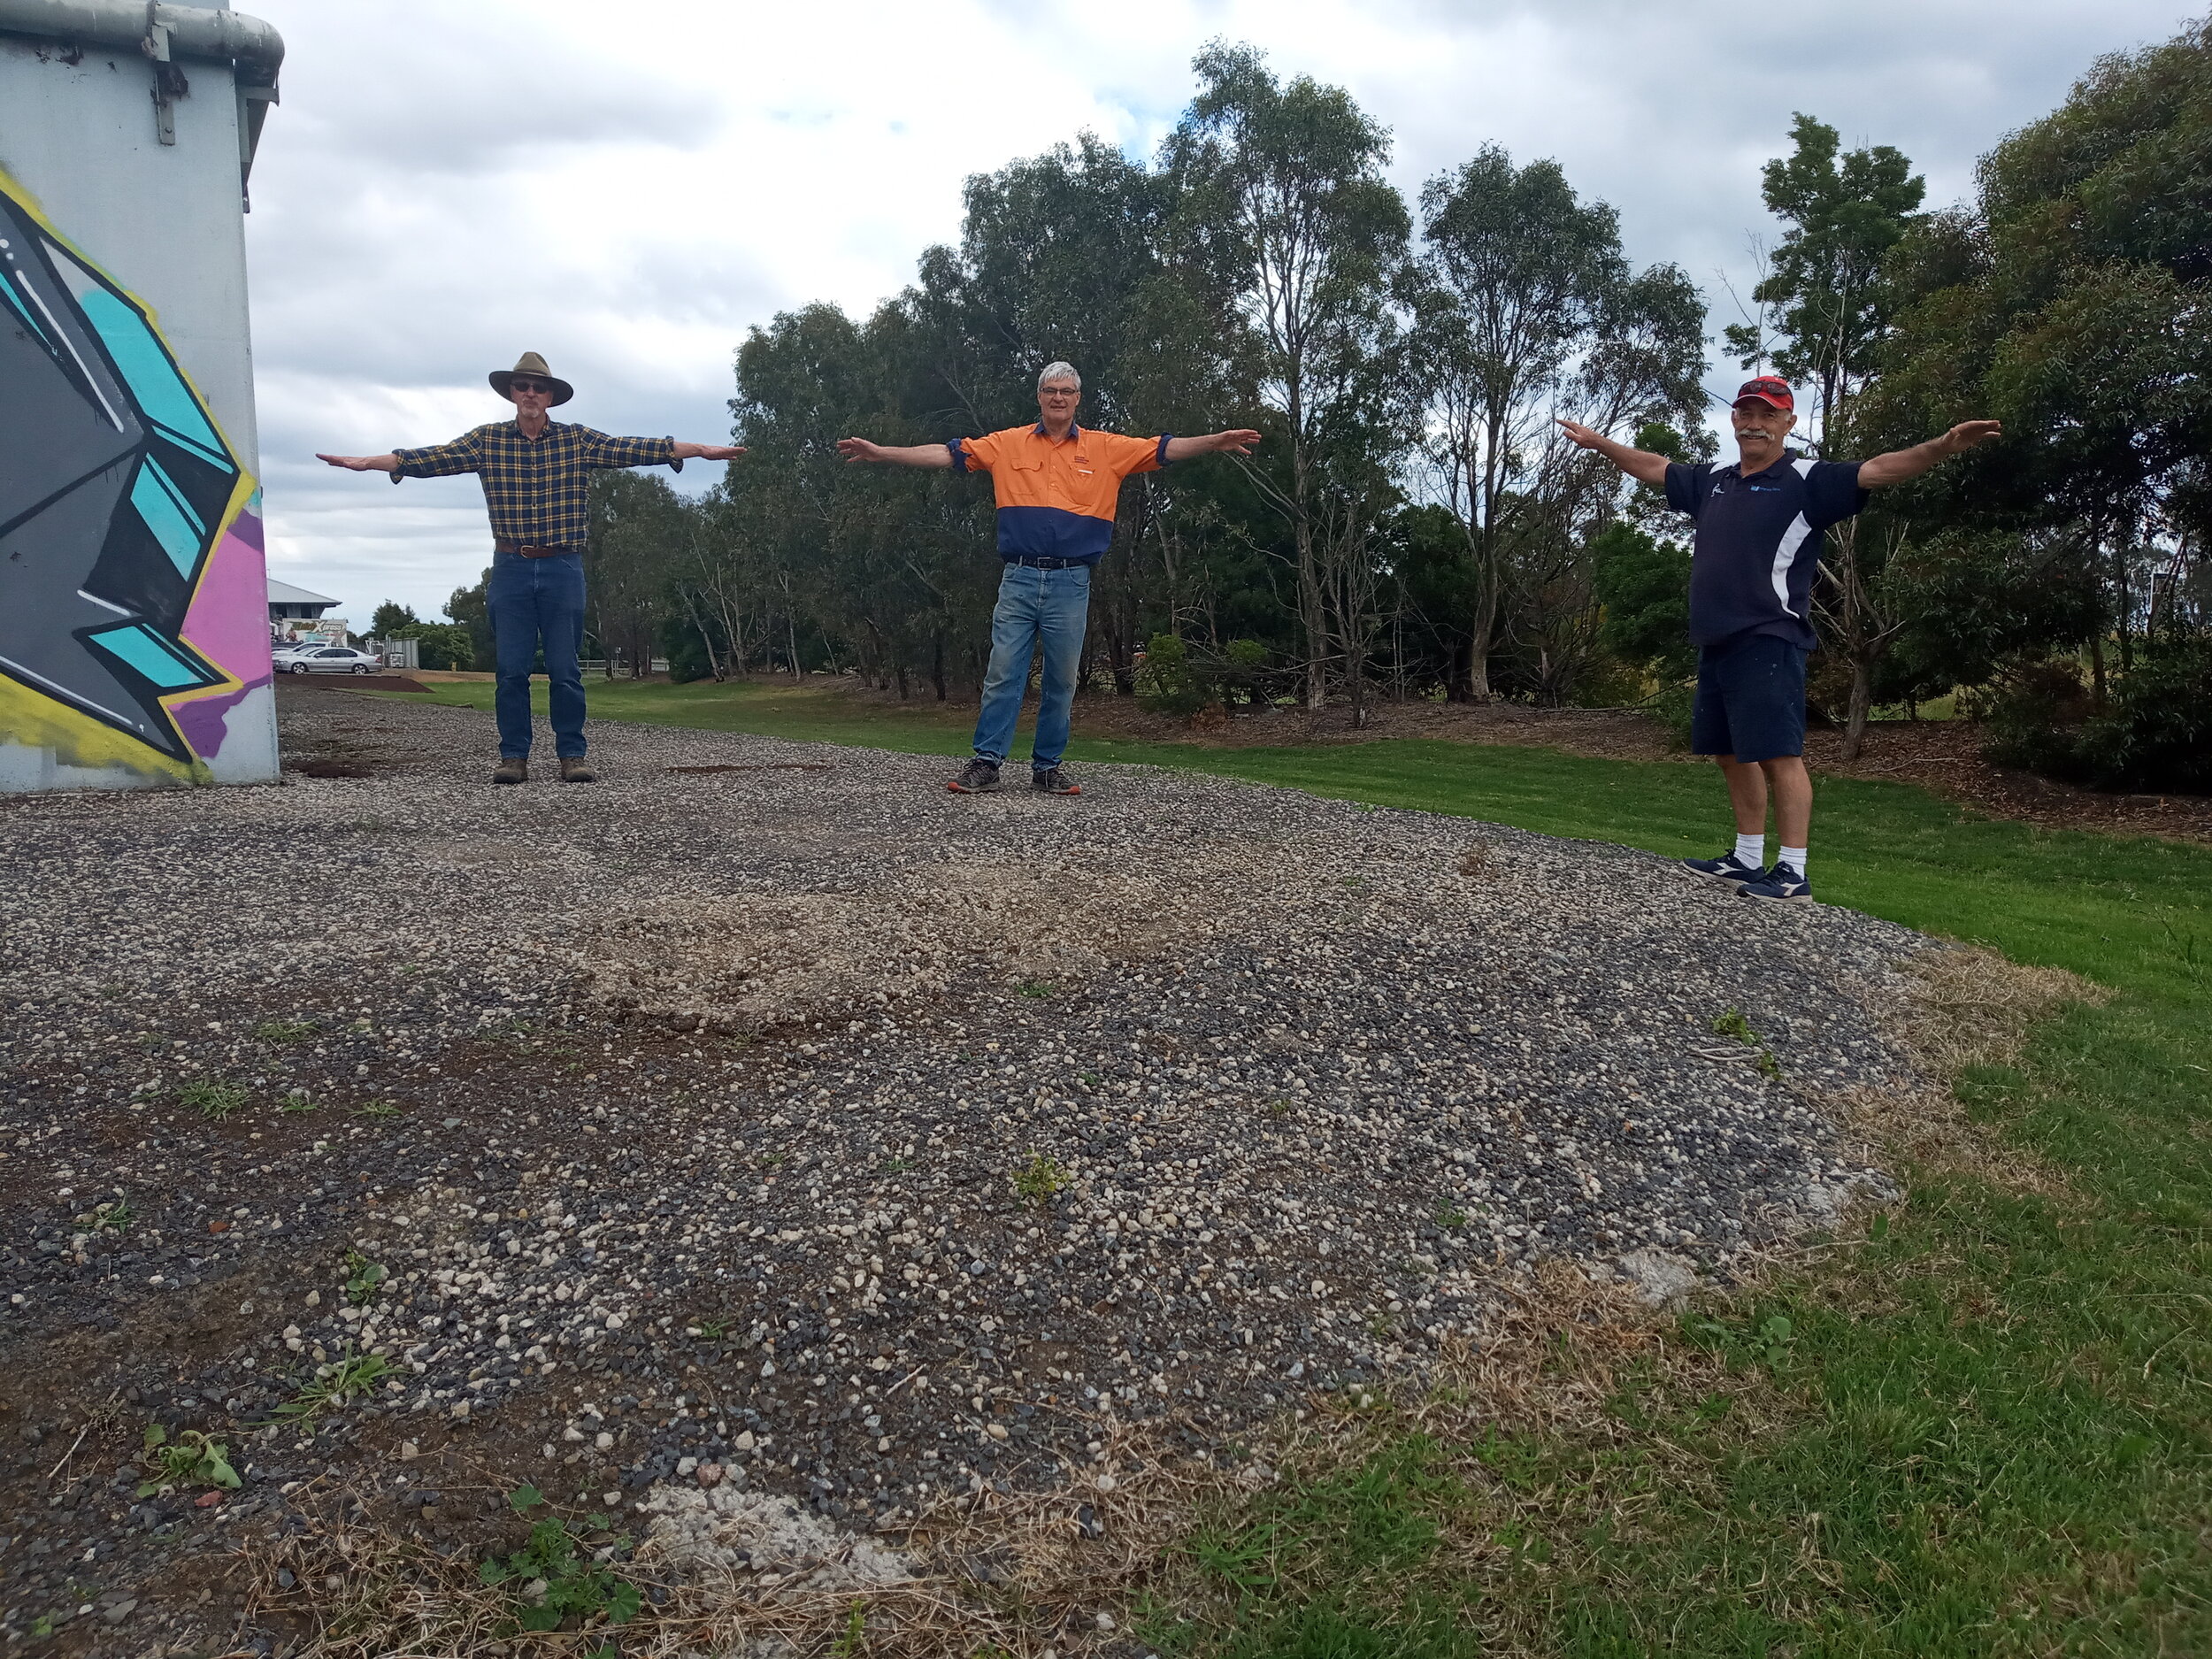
point(229, 623)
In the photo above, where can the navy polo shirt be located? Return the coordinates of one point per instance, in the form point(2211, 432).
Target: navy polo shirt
point(1757, 545)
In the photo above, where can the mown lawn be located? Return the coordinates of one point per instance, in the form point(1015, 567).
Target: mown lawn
point(1986, 1429)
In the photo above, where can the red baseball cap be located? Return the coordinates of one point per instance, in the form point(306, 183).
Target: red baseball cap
point(1768, 388)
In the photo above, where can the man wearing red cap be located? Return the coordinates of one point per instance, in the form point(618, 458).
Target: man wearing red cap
point(1754, 557)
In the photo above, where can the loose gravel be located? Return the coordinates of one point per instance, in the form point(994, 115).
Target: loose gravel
point(766, 1122)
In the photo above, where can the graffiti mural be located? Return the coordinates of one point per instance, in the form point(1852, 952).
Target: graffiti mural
point(133, 601)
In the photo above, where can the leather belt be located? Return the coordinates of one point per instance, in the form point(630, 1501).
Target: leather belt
point(1038, 563)
point(528, 549)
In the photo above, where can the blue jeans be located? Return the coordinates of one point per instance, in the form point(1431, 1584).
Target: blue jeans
point(533, 600)
point(1035, 607)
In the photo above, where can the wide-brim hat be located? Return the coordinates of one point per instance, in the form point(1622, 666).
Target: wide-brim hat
point(534, 366)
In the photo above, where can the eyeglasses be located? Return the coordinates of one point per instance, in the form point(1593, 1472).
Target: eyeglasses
point(519, 385)
point(1060, 391)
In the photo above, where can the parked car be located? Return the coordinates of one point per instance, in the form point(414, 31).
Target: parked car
point(329, 659)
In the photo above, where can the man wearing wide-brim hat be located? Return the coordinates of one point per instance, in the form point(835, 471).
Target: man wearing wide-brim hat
point(536, 474)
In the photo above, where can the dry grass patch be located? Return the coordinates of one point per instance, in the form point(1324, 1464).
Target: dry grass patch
point(1955, 1007)
point(742, 961)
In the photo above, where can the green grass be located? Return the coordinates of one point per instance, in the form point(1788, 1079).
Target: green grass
point(1986, 1431)
point(812, 713)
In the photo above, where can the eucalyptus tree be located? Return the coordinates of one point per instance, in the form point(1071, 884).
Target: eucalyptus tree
point(1286, 221)
point(1823, 289)
point(2073, 299)
point(1526, 308)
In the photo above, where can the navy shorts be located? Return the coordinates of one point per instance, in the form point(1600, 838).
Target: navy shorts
point(1750, 699)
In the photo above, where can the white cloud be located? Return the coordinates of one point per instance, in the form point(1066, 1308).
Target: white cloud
point(628, 191)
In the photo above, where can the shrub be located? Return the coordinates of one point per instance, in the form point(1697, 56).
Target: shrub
point(1244, 672)
point(1168, 681)
point(2030, 717)
point(2156, 733)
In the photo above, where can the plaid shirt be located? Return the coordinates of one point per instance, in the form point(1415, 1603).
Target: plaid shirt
point(537, 489)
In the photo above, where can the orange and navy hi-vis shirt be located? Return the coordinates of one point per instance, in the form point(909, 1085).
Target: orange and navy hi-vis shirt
point(1056, 500)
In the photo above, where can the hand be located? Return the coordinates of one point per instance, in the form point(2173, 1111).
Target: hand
point(1580, 435)
point(1967, 434)
point(358, 463)
point(1240, 442)
point(709, 451)
point(860, 449)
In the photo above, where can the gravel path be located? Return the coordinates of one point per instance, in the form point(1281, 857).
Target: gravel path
point(766, 1116)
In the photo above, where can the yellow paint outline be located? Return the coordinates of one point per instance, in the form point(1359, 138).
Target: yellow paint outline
point(34, 720)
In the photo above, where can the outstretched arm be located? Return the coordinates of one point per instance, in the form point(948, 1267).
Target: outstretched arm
point(1640, 465)
point(1238, 442)
point(912, 455)
point(464, 454)
point(1900, 464)
point(708, 451)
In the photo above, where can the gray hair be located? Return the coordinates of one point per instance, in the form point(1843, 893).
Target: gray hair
point(1059, 371)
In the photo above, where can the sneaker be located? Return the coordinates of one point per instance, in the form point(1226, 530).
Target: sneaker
point(1052, 780)
point(1727, 867)
point(511, 769)
point(978, 777)
point(576, 769)
point(1783, 884)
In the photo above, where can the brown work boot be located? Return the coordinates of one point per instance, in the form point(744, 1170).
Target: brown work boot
point(511, 769)
point(576, 769)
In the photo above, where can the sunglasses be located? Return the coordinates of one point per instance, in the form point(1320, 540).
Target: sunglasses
point(521, 385)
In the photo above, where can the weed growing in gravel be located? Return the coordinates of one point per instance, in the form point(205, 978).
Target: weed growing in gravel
point(552, 1582)
point(1090, 1079)
point(191, 1459)
point(1448, 1214)
point(212, 1100)
point(334, 1385)
point(363, 1276)
point(113, 1217)
point(1476, 862)
point(378, 1109)
point(852, 1642)
point(1733, 1024)
point(297, 1100)
point(1040, 1180)
point(1034, 988)
point(1278, 1107)
point(284, 1030)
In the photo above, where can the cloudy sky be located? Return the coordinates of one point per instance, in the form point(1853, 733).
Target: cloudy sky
point(628, 189)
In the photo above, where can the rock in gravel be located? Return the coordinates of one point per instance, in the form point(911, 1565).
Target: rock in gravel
point(1661, 1278)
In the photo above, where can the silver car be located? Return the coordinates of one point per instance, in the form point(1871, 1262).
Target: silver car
point(329, 659)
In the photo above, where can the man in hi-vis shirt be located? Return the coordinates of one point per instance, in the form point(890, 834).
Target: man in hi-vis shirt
point(1754, 559)
point(1056, 485)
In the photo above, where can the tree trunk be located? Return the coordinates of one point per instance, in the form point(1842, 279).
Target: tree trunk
point(1478, 653)
point(1861, 706)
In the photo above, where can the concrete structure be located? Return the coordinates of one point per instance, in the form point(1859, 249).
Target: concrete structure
point(134, 634)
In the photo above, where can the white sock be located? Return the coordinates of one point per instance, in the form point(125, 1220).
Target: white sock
point(1793, 857)
point(1752, 850)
